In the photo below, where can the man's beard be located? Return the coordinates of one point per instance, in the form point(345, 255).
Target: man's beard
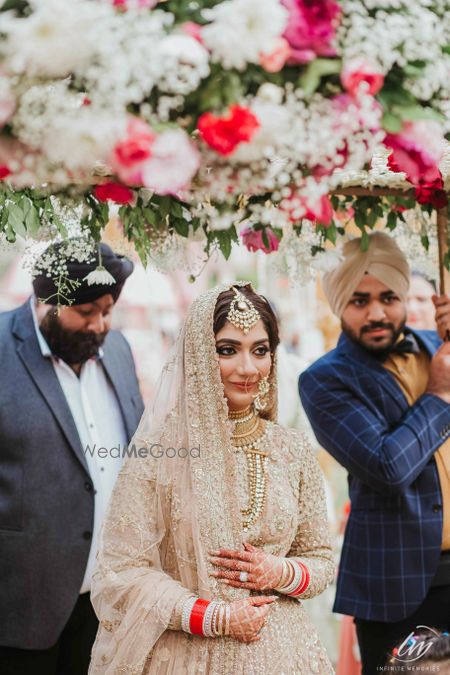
point(382, 350)
point(73, 347)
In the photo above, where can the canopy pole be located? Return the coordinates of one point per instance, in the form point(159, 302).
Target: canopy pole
point(442, 235)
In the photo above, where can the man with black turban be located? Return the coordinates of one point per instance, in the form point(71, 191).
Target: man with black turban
point(380, 404)
point(69, 405)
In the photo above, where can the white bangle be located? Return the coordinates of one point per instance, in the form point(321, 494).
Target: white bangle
point(207, 619)
point(227, 619)
point(186, 613)
point(298, 574)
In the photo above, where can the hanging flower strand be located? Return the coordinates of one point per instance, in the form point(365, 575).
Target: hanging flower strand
point(100, 275)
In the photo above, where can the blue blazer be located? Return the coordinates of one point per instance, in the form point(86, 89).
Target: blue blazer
point(393, 536)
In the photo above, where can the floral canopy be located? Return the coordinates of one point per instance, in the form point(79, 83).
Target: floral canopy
point(271, 121)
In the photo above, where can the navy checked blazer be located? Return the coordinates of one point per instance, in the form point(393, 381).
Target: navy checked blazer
point(393, 536)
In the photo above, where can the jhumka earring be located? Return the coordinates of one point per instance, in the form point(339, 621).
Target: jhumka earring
point(262, 397)
point(242, 312)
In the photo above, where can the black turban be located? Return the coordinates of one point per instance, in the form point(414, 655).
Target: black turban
point(117, 265)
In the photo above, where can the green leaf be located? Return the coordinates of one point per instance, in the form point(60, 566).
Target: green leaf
point(16, 220)
point(417, 112)
point(225, 238)
point(391, 221)
point(310, 80)
point(364, 241)
point(372, 217)
point(181, 226)
point(391, 123)
point(32, 221)
point(360, 219)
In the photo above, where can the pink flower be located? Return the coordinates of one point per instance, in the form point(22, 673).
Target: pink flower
point(417, 150)
point(253, 240)
point(114, 192)
point(194, 30)
point(298, 206)
point(134, 4)
point(173, 163)
point(359, 70)
point(223, 134)
point(311, 28)
point(130, 153)
point(275, 60)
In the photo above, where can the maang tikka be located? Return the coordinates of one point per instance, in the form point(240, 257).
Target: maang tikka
point(242, 312)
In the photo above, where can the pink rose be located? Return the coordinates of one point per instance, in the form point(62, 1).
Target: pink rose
point(194, 30)
point(131, 152)
point(275, 60)
point(417, 150)
point(253, 240)
point(359, 70)
point(173, 163)
point(298, 207)
point(311, 28)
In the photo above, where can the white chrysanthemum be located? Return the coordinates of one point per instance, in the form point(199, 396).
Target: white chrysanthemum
point(241, 30)
point(54, 40)
point(100, 276)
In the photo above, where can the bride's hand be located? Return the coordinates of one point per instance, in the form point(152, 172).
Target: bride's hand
point(263, 570)
point(248, 617)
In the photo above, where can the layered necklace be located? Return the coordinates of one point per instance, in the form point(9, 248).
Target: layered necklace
point(249, 435)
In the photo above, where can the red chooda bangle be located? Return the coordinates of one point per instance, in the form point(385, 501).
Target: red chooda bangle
point(196, 618)
point(304, 583)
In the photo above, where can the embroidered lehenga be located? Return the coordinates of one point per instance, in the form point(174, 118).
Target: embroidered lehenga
point(168, 511)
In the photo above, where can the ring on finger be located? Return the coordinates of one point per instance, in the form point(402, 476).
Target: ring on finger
point(243, 576)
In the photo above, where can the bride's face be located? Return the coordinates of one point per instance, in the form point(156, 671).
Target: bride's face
point(244, 360)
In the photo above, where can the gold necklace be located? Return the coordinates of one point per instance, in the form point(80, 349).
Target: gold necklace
point(249, 435)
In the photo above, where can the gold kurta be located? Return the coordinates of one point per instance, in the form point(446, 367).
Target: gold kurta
point(294, 523)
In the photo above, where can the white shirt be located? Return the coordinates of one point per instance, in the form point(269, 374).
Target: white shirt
point(98, 418)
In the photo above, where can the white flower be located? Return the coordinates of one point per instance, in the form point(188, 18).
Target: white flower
point(241, 30)
point(186, 64)
point(54, 120)
point(325, 261)
point(99, 276)
point(270, 92)
point(54, 40)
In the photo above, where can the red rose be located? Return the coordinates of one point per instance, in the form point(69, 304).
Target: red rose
point(4, 172)
point(223, 134)
point(432, 192)
point(115, 192)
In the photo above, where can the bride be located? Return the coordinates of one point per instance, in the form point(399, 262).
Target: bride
point(217, 525)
